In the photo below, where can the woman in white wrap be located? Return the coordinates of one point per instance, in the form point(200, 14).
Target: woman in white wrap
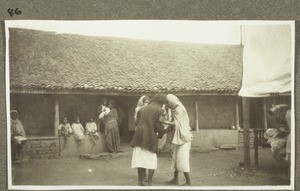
point(144, 100)
point(181, 140)
point(18, 135)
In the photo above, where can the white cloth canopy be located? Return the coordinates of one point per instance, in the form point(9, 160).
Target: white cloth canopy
point(266, 60)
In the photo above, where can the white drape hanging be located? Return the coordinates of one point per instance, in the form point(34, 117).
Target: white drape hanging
point(266, 60)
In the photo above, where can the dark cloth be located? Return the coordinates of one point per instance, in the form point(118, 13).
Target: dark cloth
point(99, 122)
point(111, 131)
point(111, 120)
point(149, 129)
point(277, 116)
point(17, 149)
point(130, 136)
point(113, 140)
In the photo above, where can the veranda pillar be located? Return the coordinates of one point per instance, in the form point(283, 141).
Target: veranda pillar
point(265, 125)
point(196, 115)
point(237, 117)
point(56, 115)
point(246, 131)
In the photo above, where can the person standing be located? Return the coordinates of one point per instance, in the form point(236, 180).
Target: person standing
point(111, 129)
point(145, 139)
point(144, 100)
point(121, 121)
point(181, 140)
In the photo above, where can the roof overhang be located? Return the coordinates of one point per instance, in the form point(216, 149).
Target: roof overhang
point(115, 93)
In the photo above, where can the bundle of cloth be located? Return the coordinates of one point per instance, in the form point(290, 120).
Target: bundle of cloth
point(278, 145)
point(279, 135)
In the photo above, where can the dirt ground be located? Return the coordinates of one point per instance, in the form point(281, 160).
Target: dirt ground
point(210, 168)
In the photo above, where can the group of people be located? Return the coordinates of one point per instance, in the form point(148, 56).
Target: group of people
point(107, 122)
point(151, 124)
point(65, 130)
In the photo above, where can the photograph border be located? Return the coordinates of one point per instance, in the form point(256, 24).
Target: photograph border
point(136, 9)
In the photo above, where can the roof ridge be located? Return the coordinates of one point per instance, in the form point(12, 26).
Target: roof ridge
point(123, 38)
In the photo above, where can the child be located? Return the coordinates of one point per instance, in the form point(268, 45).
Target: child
point(100, 109)
point(64, 130)
point(78, 131)
point(103, 111)
point(91, 129)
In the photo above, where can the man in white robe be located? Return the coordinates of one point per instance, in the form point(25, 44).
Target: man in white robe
point(181, 140)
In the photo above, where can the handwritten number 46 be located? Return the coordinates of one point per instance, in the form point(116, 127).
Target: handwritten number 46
point(14, 11)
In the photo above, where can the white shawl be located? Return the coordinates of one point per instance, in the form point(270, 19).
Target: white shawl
point(182, 133)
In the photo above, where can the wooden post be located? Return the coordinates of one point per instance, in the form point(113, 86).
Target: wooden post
point(237, 118)
point(246, 131)
point(256, 147)
point(56, 115)
point(265, 125)
point(196, 115)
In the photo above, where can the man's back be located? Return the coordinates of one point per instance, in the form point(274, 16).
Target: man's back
point(147, 126)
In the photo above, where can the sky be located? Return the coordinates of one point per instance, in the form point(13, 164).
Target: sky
point(207, 32)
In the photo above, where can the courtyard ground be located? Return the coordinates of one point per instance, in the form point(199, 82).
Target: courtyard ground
point(208, 168)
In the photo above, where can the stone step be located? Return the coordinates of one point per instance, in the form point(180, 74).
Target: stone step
point(104, 156)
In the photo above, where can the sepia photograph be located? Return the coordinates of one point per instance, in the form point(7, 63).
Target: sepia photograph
point(150, 104)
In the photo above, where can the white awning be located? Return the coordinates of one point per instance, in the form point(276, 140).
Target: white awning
point(266, 60)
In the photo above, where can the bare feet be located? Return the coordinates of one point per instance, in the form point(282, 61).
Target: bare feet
point(173, 182)
point(141, 184)
point(187, 184)
point(145, 179)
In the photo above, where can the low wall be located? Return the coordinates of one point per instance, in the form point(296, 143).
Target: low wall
point(210, 138)
point(53, 147)
point(71, 149)
point(42, 147)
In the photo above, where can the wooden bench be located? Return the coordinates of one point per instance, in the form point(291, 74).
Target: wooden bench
point(259, 140)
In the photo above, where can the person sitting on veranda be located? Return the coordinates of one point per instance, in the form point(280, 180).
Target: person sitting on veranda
point(278, 145)
point(288, 142)
point(65, 130)
point(18, 135)
point(277, 135)
point(91, 129)
point(78, 131)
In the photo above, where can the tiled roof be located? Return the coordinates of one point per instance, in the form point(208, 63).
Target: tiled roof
point(42, 60)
